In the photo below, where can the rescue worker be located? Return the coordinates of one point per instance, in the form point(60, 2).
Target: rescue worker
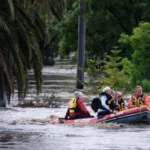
point(138, 99)
point(77, 108)
point(121, 103)
point(107, 103)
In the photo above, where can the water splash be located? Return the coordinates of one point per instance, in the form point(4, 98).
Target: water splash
point(45, 121)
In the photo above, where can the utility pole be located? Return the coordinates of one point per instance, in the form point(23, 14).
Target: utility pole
point(81, 45)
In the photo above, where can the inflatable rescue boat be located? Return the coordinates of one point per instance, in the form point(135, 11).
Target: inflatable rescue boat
point(133, 115)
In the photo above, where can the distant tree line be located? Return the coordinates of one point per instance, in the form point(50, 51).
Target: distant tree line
point(33, 29)
point(112, 23)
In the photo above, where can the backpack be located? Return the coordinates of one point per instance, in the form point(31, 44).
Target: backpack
point(95, 104)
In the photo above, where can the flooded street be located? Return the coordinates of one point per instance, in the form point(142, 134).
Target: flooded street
point(29, 128)
point(17, 132)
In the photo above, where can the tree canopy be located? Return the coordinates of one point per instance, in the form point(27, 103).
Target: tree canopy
point(139, 42)
point(50, 26)
point(22, 28)
point(105, 21)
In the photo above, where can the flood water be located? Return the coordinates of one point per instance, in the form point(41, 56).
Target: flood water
point(28, 129)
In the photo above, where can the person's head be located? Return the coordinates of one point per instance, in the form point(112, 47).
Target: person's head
point(138, 91)
point(107, 90)
point(78, 94)
point(113, 93)
point(119, 96)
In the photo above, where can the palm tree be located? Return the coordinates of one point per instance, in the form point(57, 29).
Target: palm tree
point(21, 28)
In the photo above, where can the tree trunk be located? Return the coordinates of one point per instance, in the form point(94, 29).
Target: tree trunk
point(2, 94)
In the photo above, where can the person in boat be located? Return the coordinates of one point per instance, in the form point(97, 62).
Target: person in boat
point(120, 102)
point(138, 99)
point(77, 108)
point(107, 104)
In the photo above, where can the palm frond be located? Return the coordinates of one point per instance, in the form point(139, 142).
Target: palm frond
point(25, 41)
point(26, 18)
point(11, 9)
point(37, 72)
point(21, 29)
point(57, 7)
point(7, 7)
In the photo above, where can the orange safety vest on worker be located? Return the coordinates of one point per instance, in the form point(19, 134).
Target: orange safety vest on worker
point(140, 101)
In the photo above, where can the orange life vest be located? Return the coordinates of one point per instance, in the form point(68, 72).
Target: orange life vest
point(137, 102)
point(121, 105)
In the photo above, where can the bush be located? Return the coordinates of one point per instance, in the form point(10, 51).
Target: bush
point(145, 85)
point(114, 71)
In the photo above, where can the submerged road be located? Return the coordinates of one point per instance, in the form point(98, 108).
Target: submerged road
point(29, 128)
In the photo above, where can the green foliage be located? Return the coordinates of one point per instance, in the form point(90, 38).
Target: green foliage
point(22, 27)
point(139, 42)
point(94, 69)
point(111, 68)
point(105, 21)
point(67, 29)
point(146, 85)
point(125, 76)
point(114, 71)
point(124, 38)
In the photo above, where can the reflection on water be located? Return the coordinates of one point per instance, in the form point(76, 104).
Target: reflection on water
point(32, 135)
